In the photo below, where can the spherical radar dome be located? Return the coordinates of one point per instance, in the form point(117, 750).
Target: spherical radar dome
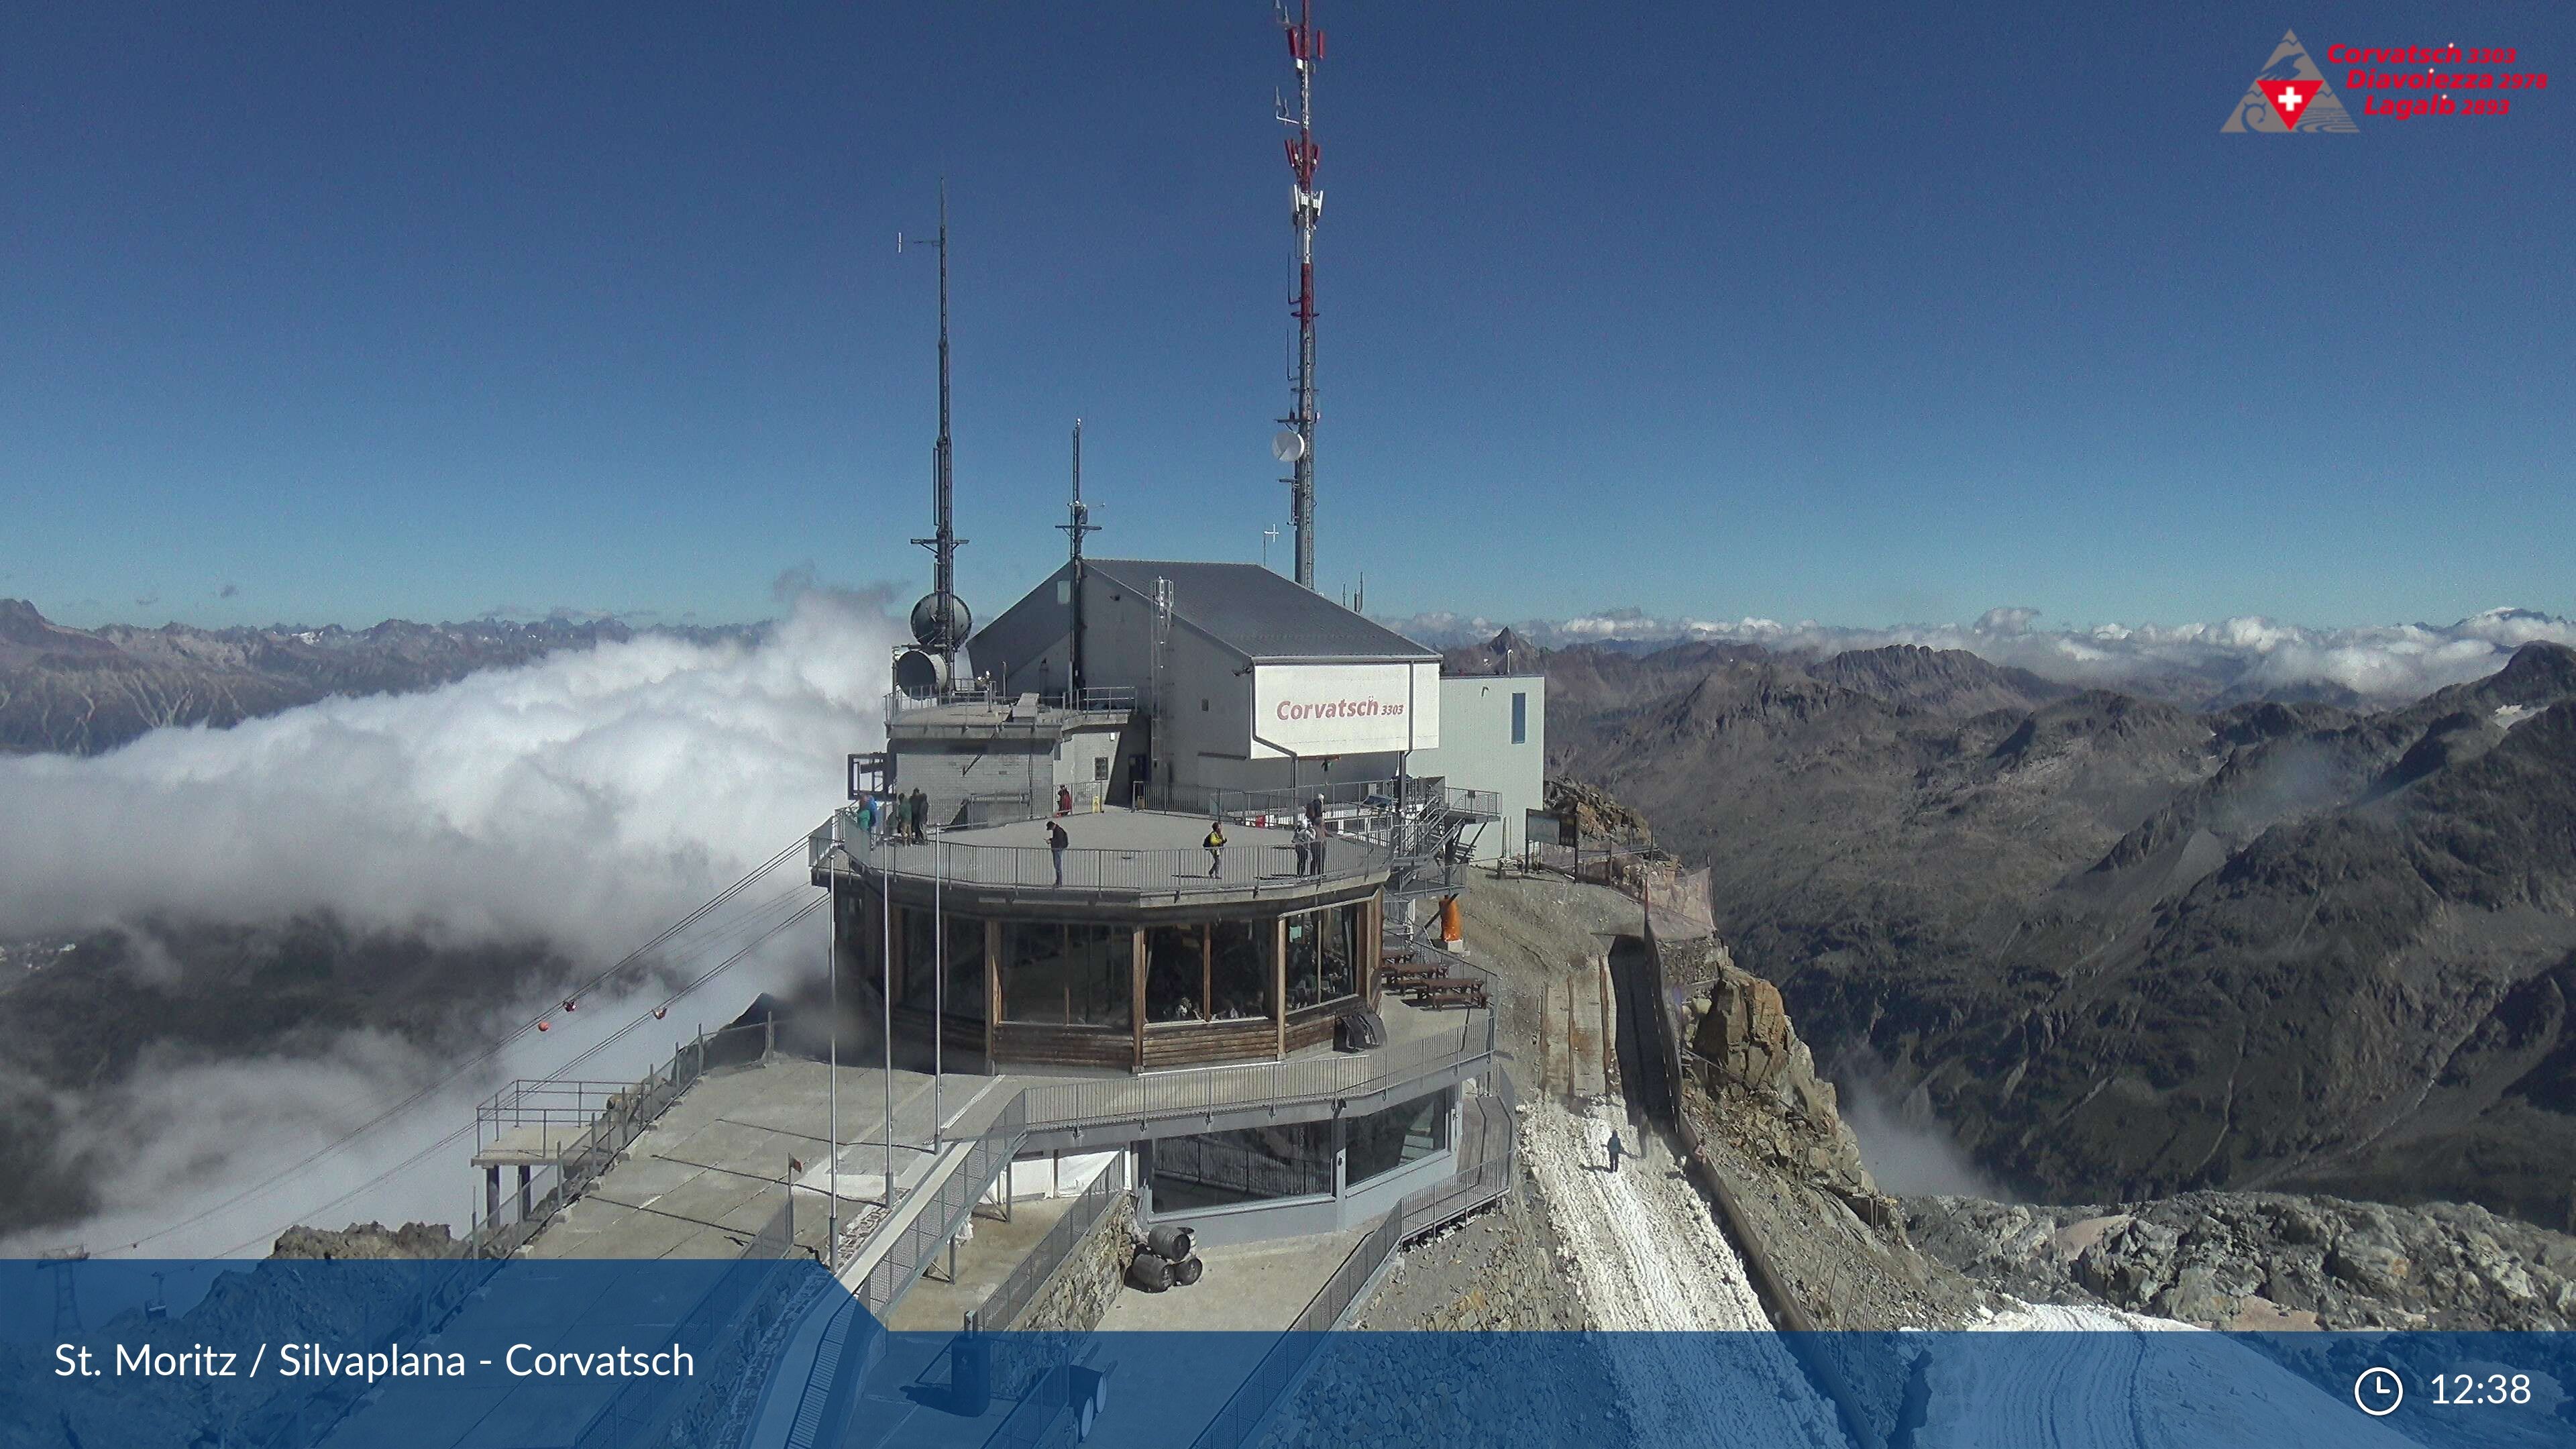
point(926, 619)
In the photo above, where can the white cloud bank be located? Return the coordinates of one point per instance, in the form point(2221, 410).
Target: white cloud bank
point(2227, 660)
point(585, 802)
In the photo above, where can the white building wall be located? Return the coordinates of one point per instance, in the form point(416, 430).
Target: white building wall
point(1477, 751)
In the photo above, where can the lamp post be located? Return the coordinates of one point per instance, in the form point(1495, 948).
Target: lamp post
point(885, 995)
point(938, 988)
point(832, 1159)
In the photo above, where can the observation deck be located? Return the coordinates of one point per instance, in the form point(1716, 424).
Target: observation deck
point(1115, 860)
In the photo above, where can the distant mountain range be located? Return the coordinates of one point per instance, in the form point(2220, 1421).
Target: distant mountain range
point(2197, 666)
point(2122, 948)
point(81, 691)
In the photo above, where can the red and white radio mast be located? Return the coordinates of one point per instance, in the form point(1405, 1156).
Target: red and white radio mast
point(1306, 207)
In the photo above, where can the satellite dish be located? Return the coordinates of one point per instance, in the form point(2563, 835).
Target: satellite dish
point(1288, 447)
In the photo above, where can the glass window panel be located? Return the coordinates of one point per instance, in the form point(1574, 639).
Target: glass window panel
point(966, 967)
point(1059, 974)
point(1257, 1164)
point(1175, 973)
point(918, 960)
point(1305, 961)
point(1242, 970)
point(1340, 928)
point(1033, 972)
point(965, 996)
point(1385, 1140)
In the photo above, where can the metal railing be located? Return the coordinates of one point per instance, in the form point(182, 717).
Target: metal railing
point(1381, 798)
point(1003, 1306)
point(1104, 1101)
point(622, 1116)
point(907, 1249)
point(984, 691)
point(1236, 869)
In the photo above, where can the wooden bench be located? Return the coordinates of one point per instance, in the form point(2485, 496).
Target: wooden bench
point(1470, 995)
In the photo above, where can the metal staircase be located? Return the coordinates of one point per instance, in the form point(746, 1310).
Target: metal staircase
point(1431, 837)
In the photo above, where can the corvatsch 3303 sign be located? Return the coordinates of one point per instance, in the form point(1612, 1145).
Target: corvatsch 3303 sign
point(1344, 709)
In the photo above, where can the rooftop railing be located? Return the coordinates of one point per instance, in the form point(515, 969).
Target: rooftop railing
point(1237, 869)
point(1383, 800)
point(1110, 698)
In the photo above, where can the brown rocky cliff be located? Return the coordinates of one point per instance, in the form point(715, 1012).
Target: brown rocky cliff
point(1763, 1079)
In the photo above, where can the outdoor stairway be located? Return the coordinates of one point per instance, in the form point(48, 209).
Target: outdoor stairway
point(1423, 845)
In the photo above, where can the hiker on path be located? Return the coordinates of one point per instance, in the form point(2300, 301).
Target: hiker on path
point(1614, 1149)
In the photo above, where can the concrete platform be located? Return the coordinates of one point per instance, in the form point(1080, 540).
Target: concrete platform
point(937, 1305)
point(537, 1144)
point(707, 1177)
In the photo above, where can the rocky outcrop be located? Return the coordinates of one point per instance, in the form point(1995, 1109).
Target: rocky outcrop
point(1596, 812)
point(1749, 1057)
point(366, 1240)
point(1784, 1169)
point(2264, 1261)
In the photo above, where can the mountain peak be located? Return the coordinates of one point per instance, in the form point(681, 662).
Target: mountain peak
point(2539, 666)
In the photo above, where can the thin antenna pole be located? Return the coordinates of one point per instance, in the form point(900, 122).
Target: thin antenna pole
point(1081, 524)
point(1306, 208)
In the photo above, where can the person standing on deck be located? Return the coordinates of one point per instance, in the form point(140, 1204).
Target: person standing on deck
point(1303, 838)
point(1056, 840)
point(1215, 844)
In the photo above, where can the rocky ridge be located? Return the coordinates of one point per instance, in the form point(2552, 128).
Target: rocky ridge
point(366, 1240)
point(82, 691)
point(2257, 1262)
point(2123, 950)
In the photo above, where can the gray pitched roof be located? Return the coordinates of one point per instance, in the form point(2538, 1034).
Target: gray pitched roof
point(1025, 630)
point(1260, 614)
point(1246, 608)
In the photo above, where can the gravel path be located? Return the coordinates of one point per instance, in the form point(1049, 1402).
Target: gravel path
point(1648, 1260)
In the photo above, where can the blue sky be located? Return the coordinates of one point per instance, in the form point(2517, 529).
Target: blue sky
point(1847, 313)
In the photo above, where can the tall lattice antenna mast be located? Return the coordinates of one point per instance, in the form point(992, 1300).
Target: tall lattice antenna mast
point(1306, 207)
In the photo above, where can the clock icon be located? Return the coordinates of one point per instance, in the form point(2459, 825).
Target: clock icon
point(2379, 1391)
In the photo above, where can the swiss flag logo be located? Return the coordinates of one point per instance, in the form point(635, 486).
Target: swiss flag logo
point(2290, 99)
